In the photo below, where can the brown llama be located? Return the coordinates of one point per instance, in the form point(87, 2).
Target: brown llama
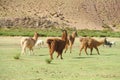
point(28, 42)
point(71, 39)
point(57, 45)
point(87, 42)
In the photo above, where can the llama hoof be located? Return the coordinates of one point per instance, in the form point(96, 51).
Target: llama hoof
point(79, 54)
point(51, 58)
point(61, 58)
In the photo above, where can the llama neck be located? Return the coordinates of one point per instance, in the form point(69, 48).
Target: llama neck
point(35, 37)
point(64, 36)
point(73, 35)
point(100, 43)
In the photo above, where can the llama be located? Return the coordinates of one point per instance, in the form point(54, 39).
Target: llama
point(113, 42)
point(108, 43)
point(71, 39)
point(88, 42)
point(29, 42)
point(57, 45)
point(39, 43)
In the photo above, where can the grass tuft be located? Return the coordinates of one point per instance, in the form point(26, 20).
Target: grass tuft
point(48, 61)
point(17, 56)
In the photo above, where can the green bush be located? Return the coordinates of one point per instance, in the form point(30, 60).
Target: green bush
point(48, 61)
point(17, 56)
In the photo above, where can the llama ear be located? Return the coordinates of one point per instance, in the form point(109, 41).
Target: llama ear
point(37, 33)
point(105, 37)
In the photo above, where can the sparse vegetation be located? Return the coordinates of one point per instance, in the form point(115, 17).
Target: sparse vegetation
point(17, 56)
point(24, 17)
point(82, 13)
point(55, 32)
point(72, 67)
point(48, 61)
point(98, 33)
point(106, 27)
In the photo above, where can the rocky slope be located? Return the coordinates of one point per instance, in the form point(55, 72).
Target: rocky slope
point(82, 14)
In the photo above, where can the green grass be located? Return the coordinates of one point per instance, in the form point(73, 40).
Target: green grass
point(48, 61)
point(17, 56)
point(98, 33)
point(73, 67)
point(55, 32)
point(28, 32)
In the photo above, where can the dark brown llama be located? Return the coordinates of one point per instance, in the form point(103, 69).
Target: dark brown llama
point(71, 39)
point(88, 42)
point(57, 45)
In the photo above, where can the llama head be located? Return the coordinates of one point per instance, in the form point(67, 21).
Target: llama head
point(64, 35)
point(74, 34)
point(36, 35)
point(105, 40)
point(81, 39)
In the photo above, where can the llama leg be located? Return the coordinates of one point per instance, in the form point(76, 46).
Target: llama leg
point(52, 49)
point(42, 44)
point(86, 50)
point(71, 49)
point(110, 45)
point(81, 50)
point(51, 54)
point(70, 46)
point(32, 51)
point(38, 45)
point(91, 49)
point(97, 50)
point(23, 50)
point(58, 55)
point(29, 51)
point(61, 55)
point(66, 48)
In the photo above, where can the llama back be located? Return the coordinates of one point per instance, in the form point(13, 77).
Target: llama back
point(93, 42)
point(23, 40)
point(28, 41)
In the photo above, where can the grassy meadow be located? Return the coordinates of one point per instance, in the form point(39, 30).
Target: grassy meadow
point(73, 67)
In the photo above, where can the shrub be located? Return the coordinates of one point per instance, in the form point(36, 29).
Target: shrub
point(48, 61)
point(17, 56)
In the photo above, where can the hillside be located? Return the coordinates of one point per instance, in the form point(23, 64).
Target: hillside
point(82, 14)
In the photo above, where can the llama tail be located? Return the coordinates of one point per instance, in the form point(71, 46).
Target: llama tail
point(23, 41)
point(49, 42)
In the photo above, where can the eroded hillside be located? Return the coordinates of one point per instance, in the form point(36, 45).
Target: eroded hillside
point(82, 14)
